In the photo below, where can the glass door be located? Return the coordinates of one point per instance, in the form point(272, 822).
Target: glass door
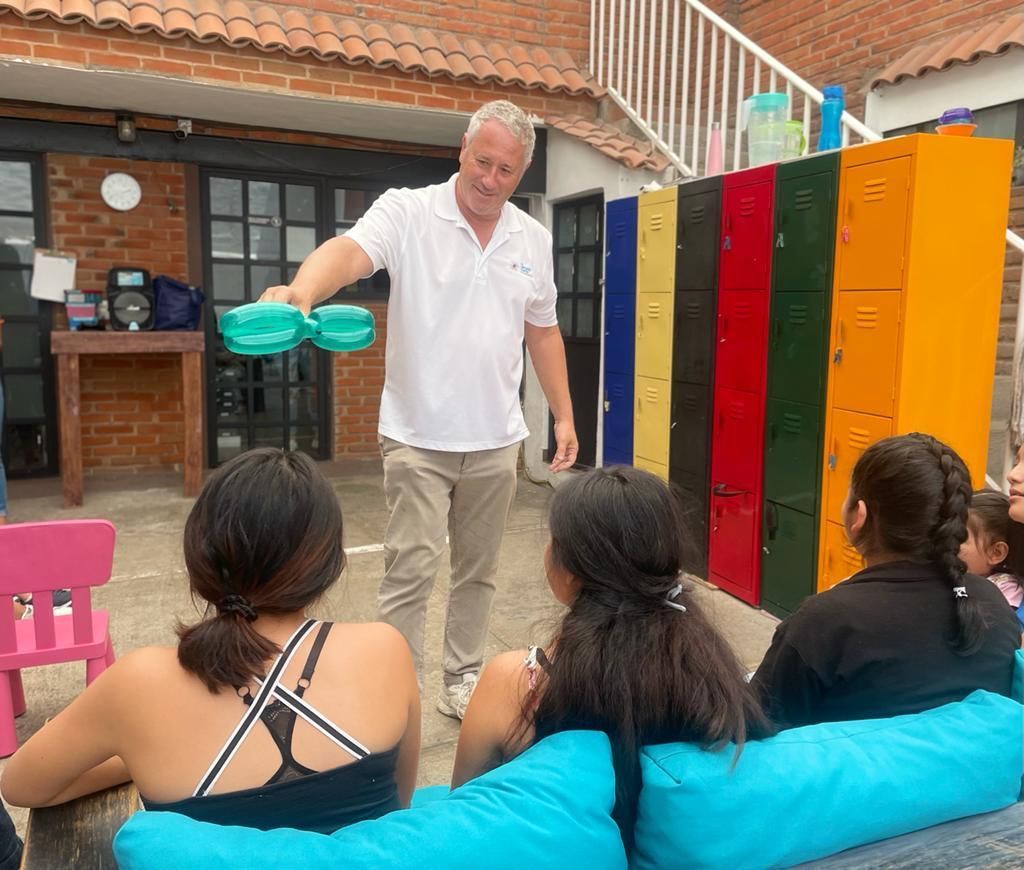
point(258, 230)
point(29, 437)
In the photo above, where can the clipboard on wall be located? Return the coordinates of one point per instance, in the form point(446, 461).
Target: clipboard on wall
point(53, 272)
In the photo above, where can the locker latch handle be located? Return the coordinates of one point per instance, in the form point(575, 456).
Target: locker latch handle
point(607, 406)
point(780, 242)
point(846, 234)
point(837, 357)
point(720, 490)
point(727, 244)
point(831, 462)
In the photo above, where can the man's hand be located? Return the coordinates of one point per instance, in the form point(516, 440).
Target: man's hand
point(288, 294)
point(566, 446)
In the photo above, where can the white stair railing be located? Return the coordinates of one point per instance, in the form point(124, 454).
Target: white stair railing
point(648, 53)
point(674, 67)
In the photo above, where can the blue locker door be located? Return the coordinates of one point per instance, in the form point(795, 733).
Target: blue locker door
point(619, 332)
point(618, 418)
point(620, 251)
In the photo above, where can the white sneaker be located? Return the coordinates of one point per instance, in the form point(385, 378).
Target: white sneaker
point(454, 699)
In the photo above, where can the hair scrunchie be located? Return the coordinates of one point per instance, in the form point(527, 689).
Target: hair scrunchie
point(237, 604)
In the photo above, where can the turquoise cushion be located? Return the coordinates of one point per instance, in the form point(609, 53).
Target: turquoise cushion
point(549, 807)
point(816, 790)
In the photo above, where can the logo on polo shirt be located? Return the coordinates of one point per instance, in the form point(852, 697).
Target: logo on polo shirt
point(522, 268)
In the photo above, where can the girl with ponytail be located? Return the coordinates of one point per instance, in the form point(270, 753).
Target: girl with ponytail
point(260, 716)
point(634, 655)
point(912, 630)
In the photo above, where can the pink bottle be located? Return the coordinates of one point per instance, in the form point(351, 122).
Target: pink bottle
point(713, 162)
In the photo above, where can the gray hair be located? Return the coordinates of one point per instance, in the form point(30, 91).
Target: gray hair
point(511, 117)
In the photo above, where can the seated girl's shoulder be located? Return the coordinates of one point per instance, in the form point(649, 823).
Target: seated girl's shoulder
point(372, 638)
point(146, 663)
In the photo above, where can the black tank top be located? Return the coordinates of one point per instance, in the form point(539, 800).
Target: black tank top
point(295, 796)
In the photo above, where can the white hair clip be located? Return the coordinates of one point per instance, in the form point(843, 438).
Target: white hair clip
point(960, 591)
point(673, 593)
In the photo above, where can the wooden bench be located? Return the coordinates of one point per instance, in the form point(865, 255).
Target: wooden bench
point(79, 833)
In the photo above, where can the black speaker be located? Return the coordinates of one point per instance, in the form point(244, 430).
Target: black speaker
point(130, 299)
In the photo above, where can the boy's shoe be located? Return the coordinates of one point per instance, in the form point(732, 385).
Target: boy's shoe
point(454, 699)
point(61, 601)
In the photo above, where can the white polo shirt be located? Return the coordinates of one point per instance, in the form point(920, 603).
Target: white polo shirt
point(456, 317)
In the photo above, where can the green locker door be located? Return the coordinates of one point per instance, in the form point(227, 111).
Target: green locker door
point(788, 559)
point(792, 454)
point(805, 224)
point(798, 346)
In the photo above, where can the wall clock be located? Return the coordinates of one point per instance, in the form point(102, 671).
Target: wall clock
point(120, 191)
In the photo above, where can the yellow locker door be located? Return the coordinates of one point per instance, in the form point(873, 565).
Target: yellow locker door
point(849, 436)
point(873, 225)
point(840, 559)
point(651, 420)
point(653, 467)
point(865, 348)
point(654, 314)
point(656, 245)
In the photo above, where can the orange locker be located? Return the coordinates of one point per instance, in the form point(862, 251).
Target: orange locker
point(915, 314)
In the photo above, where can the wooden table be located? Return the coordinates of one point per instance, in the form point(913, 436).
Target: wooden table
point(69, 346)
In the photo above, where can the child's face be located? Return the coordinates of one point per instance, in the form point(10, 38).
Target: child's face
point(976, 554)
point(1016, 480)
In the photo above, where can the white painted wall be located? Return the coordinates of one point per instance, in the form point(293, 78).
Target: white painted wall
point(990, 82)
point(575, 169)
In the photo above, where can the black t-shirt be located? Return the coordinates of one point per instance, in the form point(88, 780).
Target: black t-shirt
point(878, 645)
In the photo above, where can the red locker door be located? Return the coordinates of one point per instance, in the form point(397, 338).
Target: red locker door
point(738, 438)
point(746, 237)
point(741, 357)
point(734, 542)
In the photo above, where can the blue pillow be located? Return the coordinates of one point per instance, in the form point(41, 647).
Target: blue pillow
point(814, 791)
point(549, 807)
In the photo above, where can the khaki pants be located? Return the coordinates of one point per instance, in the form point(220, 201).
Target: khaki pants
point(430, 492)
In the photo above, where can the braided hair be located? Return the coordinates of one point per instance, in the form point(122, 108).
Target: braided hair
point(918, 492)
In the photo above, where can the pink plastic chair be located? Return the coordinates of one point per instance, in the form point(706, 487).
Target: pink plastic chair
point(38, 558)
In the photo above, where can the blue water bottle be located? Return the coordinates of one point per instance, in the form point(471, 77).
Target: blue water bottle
point(831, 113)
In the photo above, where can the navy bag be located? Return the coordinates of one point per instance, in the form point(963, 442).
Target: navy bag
point(178, 305)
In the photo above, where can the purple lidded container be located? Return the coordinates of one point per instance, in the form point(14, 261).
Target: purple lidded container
point(959, 115)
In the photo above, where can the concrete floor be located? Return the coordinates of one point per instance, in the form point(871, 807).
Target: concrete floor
point(148, 591)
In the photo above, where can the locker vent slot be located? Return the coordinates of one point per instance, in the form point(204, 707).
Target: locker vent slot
point(748, 205)
point(874, 190)
point(867, 317)
point(697, 214)
point(689, 402)
point(652, 394)
point(620, 231)
point(737, 411)
point(792, 423)
point(654, 309)
point(798, 314)
point(693, 310)
point(619, 311)
point(858, 439)
point(657, 221)
point(618, 391)
point(803, 199)
point(743, 310)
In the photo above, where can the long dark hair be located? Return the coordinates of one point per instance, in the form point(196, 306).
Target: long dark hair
point(990, 521)
point(264, 536)
point(623, 661)
point(918, 491)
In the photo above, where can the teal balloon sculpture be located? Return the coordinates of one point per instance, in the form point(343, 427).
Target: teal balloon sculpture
point(262, 328)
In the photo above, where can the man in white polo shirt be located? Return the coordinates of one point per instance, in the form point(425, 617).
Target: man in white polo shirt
point(471, 279)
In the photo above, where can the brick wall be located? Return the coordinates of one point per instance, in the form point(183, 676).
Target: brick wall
point(358, 381)
point(131, 406)
point(81, 45)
